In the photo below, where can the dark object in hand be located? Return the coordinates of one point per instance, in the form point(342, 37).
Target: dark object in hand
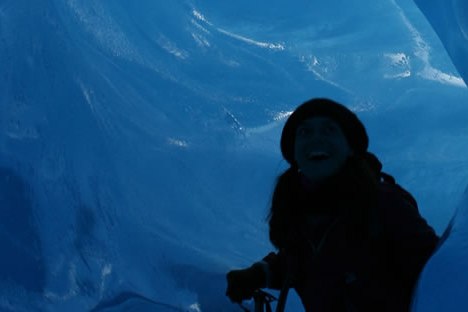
point(241, 284)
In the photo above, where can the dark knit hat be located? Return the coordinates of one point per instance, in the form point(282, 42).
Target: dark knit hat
point(351, 126)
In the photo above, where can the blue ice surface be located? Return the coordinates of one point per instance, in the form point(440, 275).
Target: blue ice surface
point(443, 284)
point(139, 140)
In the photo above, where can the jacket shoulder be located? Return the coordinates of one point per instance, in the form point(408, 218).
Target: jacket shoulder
point(392, 192)
point(400, 213)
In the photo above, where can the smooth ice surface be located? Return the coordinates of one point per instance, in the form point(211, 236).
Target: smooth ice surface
point(139, 139)
point(443, 285)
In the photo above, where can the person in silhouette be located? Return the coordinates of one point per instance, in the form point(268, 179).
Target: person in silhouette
point(346, 239)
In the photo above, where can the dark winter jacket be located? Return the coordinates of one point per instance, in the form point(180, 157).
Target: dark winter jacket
point(339, 262)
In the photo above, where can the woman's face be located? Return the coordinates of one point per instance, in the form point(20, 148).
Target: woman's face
point(321, 148)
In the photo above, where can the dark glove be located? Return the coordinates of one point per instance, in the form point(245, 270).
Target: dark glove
point(241, 284)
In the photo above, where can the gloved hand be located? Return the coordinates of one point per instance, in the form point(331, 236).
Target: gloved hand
point(241, 284)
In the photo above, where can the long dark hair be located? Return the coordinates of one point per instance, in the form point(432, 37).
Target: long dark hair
point(355, 187)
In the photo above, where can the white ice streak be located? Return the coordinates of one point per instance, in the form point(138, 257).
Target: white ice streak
point(87, 94)
point(422, 52)
point(461, 15)
point(73, 287)
point(199, 37)
point(195, 308)
point(315, 66)
point(104, 29)
point(199, 26)
point(401, 62)
point(266, 45)
point(171, 47)
point(282, 115)
point(177, 142)
point(105, 272)
point(263, 128)
point(278, 120)
point(432, 73)
point(200, 17)
point(201, 40)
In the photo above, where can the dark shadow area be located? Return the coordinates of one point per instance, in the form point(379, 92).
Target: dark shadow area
point(130, 301)
point(21, 260)
point(209, 287)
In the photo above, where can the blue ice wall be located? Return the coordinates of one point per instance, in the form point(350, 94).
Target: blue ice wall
point(449, 20)
point(22, 260)
point(443, 283)
point(139, 141)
